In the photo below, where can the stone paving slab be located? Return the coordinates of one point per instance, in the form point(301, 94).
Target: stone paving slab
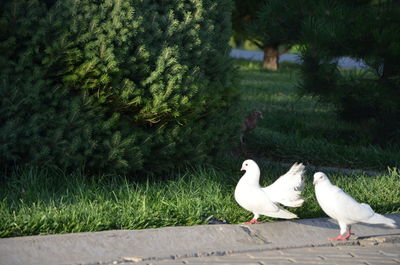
point(314, 232)
point(171, 244)
point(108, 245)
point(383, 253)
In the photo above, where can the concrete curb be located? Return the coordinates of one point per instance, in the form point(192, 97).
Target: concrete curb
point(177, 242)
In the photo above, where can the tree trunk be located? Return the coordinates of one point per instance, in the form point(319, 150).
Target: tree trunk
point(271, 58)
point(388, 69)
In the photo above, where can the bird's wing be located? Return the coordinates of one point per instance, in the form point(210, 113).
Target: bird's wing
point(259, 202)
point(344, 207)
point(263, 205)
point(281, 213)
point(351, 211)
point(287, 188)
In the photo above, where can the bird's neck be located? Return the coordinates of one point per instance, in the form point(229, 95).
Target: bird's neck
point(324, 184)
point(252, 177)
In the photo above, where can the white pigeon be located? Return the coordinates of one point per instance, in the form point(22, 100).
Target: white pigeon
point(345, 209)
point(266, 201)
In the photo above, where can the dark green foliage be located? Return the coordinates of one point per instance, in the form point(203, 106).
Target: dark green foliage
point(277, 23)
point(243, 14)
point(114, 85)
point(274, 26)
point(301, 128)
point(363, 30)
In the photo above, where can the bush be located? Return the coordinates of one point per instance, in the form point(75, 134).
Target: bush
point(365, 31)
point(114, 85)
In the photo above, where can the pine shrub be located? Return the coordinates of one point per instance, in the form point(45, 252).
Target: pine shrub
point(114, 85)
point(363, 30)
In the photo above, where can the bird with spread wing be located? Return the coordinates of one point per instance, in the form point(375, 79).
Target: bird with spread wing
point(267, 201)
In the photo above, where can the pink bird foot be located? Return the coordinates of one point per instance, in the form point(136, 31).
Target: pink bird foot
point(349, 233)
point(252, 221)
point(340, 237)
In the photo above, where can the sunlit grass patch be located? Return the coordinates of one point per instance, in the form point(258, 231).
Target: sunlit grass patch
point(75, 203)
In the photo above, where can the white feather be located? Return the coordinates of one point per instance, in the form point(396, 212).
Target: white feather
point(265, 201)
point(286, 189)
point(341, 206)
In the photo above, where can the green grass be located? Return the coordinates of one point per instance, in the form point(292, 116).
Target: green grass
point(39, 202)
point(294, 128)
point(299, 128)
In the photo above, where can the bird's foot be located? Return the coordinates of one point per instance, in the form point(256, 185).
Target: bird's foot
point(339, 237)
point(347, 236)
point(252, 221)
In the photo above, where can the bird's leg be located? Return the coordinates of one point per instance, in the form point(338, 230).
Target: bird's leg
point(345, 237)
point(252, 221)
point(339, 237)
point(343, 229)
point(349, 233)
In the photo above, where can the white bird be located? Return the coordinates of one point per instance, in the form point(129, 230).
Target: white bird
point(345, 209)
point(266, 201)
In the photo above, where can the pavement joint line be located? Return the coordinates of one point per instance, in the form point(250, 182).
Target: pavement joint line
point(355, 242)
point(254, 234)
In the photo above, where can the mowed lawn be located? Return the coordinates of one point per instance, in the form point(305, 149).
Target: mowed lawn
point(294, 128)
point(297, 127)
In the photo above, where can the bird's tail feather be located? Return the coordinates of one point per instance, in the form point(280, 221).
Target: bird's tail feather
point(283, 214)
point(297, 168)
point(297, 203)
point(380, 219)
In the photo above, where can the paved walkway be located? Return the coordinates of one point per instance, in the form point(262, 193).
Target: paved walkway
point(283, 242)
point(381, 253)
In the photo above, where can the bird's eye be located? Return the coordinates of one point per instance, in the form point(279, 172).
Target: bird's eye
point(246, 165)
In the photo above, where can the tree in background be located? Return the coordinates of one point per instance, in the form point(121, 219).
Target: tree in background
point(114, 85)
point(365, 30)
point(244, 12)
point(274, 26)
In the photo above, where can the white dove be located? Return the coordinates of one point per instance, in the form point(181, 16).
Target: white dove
point(265, 201)
point(345, 209)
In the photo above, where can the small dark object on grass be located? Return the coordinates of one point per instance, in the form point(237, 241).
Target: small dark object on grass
point(211, 220)
point(249, 123)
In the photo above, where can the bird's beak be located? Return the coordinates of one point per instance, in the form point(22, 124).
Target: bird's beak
point(314, 182)
point(242, 169)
